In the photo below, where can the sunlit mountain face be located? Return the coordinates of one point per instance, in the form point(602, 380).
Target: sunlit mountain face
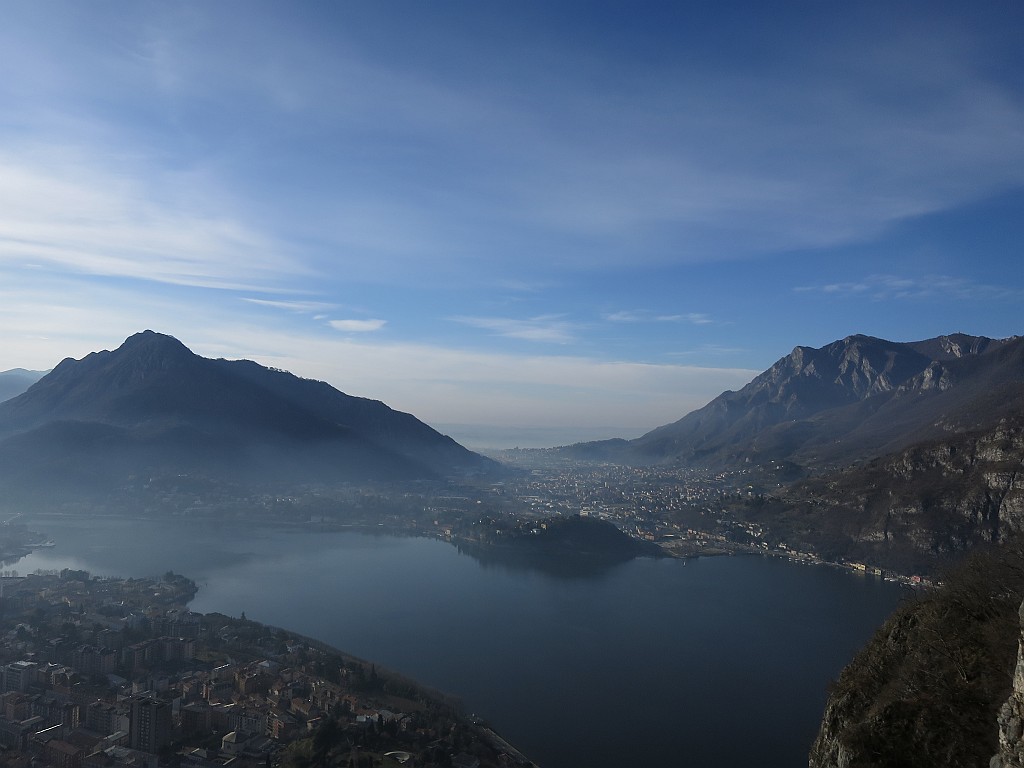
point(856, 398)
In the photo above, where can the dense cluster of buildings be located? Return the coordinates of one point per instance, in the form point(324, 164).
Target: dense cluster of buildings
point(99, 673)
point(688, 511)
point(682, 509)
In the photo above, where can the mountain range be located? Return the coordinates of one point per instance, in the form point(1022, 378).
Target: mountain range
point(153, 408)
point(16, 381)
point(901, 455)
point(849, 401)
point(907, 449)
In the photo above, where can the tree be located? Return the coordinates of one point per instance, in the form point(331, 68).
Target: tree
point(326, 736)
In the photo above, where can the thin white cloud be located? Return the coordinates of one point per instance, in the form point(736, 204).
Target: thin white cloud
point(625, 316)
point(645, 316)
point(293, 306)
point(847, 134)
point(834, 150)
point(544, 328)
point(59, 211)
point(895, 287)
point(181, 157)
point(709, 349)
point(358, 326)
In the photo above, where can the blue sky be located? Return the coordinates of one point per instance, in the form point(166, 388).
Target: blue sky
point(574, 219)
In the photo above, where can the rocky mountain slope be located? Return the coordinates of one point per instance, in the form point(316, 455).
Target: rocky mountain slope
point(911, 452)
point(153, 408)
point(933, 687)
point(851, 400)
point(1011, 714)
point(911, 509)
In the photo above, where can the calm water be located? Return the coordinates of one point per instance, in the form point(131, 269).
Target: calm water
point(722, 661)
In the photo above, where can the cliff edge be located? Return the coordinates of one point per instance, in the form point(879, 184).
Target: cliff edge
point(1011, 716)
point(936, 684)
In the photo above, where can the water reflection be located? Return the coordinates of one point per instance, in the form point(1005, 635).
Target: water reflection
point(571, 565)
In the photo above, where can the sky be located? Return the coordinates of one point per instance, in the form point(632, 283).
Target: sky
point(525, 222)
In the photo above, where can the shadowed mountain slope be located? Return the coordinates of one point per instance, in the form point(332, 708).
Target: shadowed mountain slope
point(154, 407)
point(16, 381)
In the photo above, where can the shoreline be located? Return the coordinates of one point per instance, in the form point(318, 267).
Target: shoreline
point(384, 529)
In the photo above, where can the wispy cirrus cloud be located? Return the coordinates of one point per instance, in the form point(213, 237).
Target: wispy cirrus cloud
point(306, 307)
point(60, 212)
point(712, 350)
point(896, 287)
point(358, 326)
point(645, 316)
point(544, 328)
point(904, 125)
point(625, 316)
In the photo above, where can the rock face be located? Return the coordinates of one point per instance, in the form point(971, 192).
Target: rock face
point(1011, 717)
point(929, 689)
point(936, 498)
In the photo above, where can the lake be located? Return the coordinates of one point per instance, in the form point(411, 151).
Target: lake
point(717, 661)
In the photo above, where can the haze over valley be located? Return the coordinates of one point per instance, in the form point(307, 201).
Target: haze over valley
point(152, 432)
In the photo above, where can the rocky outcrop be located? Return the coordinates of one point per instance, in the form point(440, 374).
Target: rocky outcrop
point(929, 688)
point(935, 499)
point(1011, 717)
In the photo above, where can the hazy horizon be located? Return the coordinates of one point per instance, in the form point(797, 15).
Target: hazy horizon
point(495, 437)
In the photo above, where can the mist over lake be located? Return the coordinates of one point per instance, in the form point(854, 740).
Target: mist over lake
point(652, 660)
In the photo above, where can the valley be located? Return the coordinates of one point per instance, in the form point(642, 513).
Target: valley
point(890, 461)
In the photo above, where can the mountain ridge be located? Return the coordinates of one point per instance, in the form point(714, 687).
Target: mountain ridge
point(154, 406)
point(837, 404)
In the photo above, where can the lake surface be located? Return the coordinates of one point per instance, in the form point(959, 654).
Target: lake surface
point(718, 661)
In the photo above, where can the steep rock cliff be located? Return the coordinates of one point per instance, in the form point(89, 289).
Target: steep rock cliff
point(902, 510)
point(1011, 717)
point(928, 689)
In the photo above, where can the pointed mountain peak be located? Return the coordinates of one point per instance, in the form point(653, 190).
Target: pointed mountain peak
point(151, 342)
point(149, 350)
point(184, 413)
point(87, 387)
point(149, 336)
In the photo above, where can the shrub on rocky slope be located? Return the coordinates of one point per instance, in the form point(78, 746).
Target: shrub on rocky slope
point(927, 689)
